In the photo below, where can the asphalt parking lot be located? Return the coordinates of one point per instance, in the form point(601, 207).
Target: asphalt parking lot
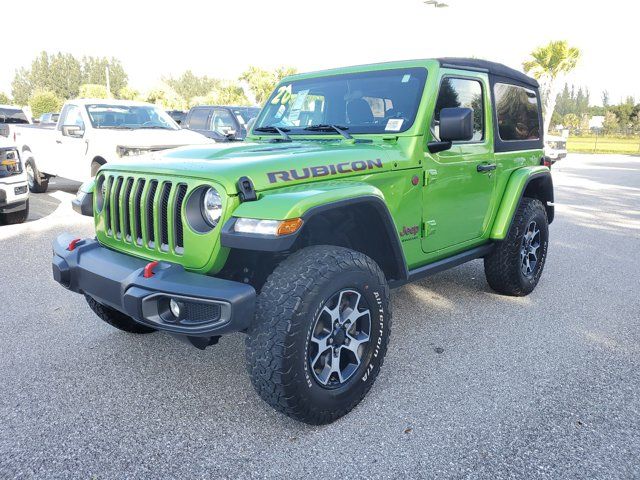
point(474, 385)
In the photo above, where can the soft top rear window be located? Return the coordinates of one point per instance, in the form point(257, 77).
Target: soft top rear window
point(12, 115)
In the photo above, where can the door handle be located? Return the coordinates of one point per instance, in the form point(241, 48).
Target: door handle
point(486, 167)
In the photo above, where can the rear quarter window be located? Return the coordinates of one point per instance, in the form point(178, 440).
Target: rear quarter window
point(199, 117)
point(12, 115)
point(517, 112)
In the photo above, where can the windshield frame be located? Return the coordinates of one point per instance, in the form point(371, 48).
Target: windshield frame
point(423, 72)
point(159, 111)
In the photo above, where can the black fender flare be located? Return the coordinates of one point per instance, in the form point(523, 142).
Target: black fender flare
point(267, 243)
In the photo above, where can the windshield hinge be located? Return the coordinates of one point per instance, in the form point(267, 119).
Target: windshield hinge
point(246, 192)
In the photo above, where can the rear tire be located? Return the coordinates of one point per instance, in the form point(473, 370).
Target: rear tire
point(515, 266)
point(37, 182)
point(15, 217)
point(116, 319)
point(321, 303)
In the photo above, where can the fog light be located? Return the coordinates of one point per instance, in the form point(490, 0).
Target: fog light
point(175, 307)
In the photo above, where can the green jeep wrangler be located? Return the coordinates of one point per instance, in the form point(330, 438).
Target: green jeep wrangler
point(352, 182)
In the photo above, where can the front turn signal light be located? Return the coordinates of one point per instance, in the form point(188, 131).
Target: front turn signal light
point(288, 227)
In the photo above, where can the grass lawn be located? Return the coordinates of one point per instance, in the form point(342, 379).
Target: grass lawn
point(605, 144)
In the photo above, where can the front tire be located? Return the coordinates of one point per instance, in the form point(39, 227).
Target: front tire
point(515, 266)
point(320, 334)
point(116, 319)
point(37, 182)
point(15, 217)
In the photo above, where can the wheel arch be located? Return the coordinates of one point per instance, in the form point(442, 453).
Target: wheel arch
point(533, 182)
point(361, 223)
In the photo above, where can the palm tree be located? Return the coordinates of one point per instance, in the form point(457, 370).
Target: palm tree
point(546, 64)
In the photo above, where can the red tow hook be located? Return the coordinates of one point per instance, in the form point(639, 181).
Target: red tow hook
point(148, 270)
point(73, 243)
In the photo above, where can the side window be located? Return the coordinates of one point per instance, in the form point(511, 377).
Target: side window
point(222, 121)
point(72, 116)
point(517, 111)
point(465, 93)
point(198, 120)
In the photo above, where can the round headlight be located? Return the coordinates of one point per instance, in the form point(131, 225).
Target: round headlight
point(211, 207)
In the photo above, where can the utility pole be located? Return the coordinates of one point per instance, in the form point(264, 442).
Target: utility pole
point(106, 71)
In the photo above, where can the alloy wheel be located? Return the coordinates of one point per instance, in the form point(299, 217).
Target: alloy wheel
point(340, 338)
point(529, 249)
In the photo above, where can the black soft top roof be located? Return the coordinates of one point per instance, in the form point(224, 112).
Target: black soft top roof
point(493, 68)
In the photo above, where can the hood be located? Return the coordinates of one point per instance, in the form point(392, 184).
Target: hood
point(268, 165)
point(145, 138)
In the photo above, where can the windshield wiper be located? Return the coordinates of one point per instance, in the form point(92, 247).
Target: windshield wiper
point(154, 126)
point(115, 127)
point(274, 129)
point(322, 127)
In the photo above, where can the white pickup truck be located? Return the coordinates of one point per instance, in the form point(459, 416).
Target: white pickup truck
point(14, 195)
point(92, 132)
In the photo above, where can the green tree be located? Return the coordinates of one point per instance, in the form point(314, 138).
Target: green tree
point(166, 97)
point(62, 74)
point(624, 111)
point(91, 90)
point(21, 87)
point(610, 123)
point(226, 93)
point(44, 101)
point(94, 71)
point(605, 98)
point(188, 85)
point(4, 99)
point(571, 121)
point(547, 63)
point(65, 75)
point(262, 82)
point(128, 93)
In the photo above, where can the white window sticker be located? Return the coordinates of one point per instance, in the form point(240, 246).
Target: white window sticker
point(406, 78)
point(294, 114)
point(394, 124)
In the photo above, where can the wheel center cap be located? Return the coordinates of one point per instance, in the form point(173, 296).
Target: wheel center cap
point(339, 336)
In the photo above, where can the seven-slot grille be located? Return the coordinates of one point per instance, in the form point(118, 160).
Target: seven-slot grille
point(144, 212)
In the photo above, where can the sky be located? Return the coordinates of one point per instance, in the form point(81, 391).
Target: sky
point(221, 38)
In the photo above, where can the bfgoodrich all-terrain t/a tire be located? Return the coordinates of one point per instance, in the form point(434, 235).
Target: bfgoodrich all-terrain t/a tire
point(117, 319)
point(320, 334)
point(515, 266)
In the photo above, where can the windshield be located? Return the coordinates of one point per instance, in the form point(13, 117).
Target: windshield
point(129, 117)
point(369, 102)
point(12, 115)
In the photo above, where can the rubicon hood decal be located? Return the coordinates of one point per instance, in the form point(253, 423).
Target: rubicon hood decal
point(323, 170)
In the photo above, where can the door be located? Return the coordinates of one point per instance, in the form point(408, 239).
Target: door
point(460, 182)
point(69, 152)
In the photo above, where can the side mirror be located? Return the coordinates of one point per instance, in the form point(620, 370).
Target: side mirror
point(456, 124)
point(72, 131)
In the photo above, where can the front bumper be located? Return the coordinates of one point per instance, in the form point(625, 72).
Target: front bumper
point(13, 195)
point(212, 306)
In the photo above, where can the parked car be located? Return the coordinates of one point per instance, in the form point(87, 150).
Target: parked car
point(177, 115)
point(223, 124)
point(92, 132)
point(555, 148)
point(355, 181)
point(46, 118)
point(245, 115)
point(14, 193)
